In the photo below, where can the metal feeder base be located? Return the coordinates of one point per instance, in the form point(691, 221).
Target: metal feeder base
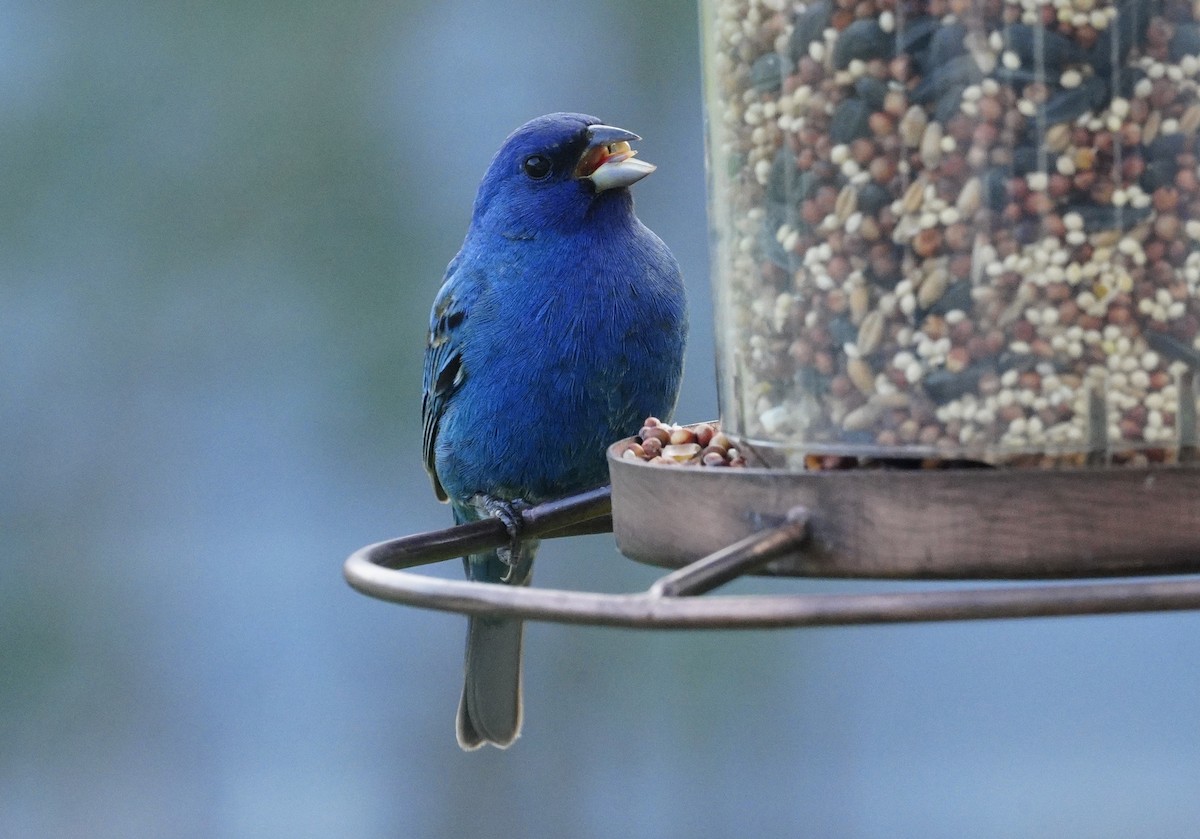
point(955, 524)
point(719, 524)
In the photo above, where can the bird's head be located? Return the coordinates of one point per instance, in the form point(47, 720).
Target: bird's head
point(555, 172)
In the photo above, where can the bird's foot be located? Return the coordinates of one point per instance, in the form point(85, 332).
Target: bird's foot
point(509, 513)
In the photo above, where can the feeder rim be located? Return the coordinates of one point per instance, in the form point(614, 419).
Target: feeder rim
point(377, 570)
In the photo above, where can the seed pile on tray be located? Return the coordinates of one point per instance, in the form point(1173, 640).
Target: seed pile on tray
point(683, 445)
point(959, 227)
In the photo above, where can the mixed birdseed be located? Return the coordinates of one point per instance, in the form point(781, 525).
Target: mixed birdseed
point(961, 228)
point(702, 444)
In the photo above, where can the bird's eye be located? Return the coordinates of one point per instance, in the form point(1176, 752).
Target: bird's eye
point(537, 166)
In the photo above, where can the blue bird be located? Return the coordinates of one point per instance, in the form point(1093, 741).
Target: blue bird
point(559, 327)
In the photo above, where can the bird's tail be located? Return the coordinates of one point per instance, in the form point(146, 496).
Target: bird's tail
point(490, 708)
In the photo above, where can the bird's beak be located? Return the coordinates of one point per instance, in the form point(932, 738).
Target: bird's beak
point(608, 161)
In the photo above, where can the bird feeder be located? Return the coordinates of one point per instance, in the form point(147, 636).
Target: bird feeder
point(955, 249)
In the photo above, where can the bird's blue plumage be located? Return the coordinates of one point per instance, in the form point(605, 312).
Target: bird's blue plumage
point(559, 327)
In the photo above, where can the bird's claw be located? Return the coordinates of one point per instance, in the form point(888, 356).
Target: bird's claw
point(509, 513)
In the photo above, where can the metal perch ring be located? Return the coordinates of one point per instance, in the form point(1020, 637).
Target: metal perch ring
point(377, 570)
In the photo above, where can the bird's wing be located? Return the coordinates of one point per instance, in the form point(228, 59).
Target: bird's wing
point(444, 372)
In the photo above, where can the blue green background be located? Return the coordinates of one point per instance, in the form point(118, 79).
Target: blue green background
point(221, 227)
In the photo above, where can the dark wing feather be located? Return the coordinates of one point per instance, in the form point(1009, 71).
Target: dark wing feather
point(444, 371)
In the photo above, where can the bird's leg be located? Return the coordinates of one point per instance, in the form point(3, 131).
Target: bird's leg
point(509, 512)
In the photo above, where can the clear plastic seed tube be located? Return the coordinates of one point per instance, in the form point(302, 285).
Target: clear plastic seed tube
point(956, 229)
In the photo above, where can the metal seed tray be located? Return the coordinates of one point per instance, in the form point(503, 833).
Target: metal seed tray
point(923, 523)
point(715, 525)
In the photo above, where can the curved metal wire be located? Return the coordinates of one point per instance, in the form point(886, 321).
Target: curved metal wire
point(575, 515)
point(374, 570)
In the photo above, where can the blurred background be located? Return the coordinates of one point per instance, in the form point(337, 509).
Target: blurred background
point(221, 228)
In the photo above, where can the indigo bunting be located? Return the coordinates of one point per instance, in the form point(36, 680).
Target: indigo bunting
point(559, 327)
